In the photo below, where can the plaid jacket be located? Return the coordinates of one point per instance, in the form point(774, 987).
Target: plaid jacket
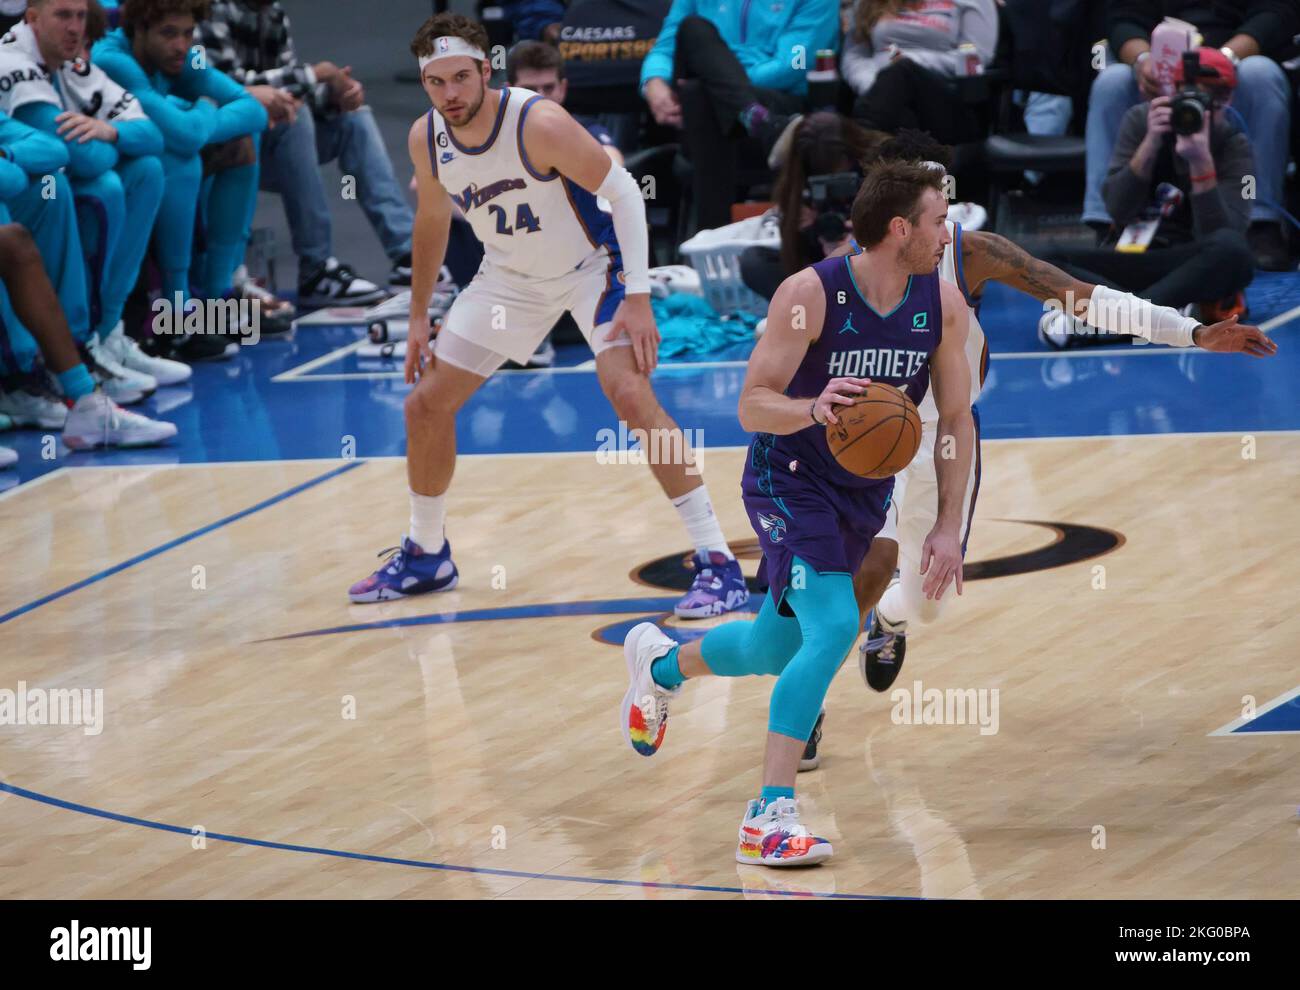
point(251, 43)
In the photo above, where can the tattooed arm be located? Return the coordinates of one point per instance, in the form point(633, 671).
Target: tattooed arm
point(989, 257)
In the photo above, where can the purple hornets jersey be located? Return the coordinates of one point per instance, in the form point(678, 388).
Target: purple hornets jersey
point(801, 503)
point(858, 342)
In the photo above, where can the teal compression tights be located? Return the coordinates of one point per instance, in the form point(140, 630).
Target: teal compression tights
point(803, 652)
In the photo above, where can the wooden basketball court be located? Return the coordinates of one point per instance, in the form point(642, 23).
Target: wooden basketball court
point(261, 737)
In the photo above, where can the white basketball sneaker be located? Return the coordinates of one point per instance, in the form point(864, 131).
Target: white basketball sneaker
point(121, 383)
point(776, 837)
point(126, 352)
point(97, 421)
point(644, 715)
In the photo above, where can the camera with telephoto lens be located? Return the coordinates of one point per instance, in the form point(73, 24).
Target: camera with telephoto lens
point(832, 197)
point(1191, 103)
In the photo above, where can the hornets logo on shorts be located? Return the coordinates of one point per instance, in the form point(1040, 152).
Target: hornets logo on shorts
point(773, 526)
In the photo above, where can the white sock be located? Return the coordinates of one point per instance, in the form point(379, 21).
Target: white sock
point(891, 603)
point(428, 513)
point(701, 522)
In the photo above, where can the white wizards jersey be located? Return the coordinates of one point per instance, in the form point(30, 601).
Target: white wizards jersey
point(539, 225)
point(78, 85)
point(977, 348)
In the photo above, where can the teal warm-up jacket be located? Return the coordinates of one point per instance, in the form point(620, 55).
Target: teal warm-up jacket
point(176, 103)
point(765, 36)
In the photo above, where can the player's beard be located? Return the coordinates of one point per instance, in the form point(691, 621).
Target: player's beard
point(478, 105)
point(918, 258)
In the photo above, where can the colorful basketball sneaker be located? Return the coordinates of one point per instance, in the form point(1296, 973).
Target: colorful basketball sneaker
point(719, 586)
point(644, 715)
point(775, 837)
point(410, 571)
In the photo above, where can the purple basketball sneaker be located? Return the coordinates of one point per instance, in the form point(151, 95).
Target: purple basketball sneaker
point(719, 586)
point(409, 571)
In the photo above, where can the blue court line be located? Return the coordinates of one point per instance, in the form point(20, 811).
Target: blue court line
point(611, 606)
point(418, 863)
point(194, 535)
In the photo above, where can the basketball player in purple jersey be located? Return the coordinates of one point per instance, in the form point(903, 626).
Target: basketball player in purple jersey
point(528, 178)
point(881, 315)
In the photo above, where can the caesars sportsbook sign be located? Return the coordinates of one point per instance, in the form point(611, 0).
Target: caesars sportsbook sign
point(604, 41)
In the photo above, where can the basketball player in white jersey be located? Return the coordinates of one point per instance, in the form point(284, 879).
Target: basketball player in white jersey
point(527, 177)
point(972, 259)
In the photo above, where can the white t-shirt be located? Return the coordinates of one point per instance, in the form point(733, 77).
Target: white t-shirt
point(82, 87)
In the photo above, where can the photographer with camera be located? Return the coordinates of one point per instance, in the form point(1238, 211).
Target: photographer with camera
point(1253, 35)
point(814, 196)
point(1175, 185)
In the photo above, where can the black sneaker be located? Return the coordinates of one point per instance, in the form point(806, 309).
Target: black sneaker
point(196, 347)
point(400, 276)
point(880, 657)
point(336, 284)
point(810, 760)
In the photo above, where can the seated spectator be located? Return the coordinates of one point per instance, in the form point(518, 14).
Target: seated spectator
point(538, 66)
point(210, 128)
point(1248, 33)
point(813, 226)
point(535, 20)
point(725, 72)
point(902, 58)
point(113, 165)
point(1199, 253)
point(87, 417)
point(318, 115)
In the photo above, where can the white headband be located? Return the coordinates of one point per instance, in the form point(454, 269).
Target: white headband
point(449, 46)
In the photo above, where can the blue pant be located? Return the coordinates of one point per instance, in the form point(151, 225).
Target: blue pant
point(115, 213)
point(48, 210)
point(223, 204)
point(1262, 99)
point(291, 160)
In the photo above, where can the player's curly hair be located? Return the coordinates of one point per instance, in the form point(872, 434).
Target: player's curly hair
point(449, 25)
point(910, 146)
point(142, 13)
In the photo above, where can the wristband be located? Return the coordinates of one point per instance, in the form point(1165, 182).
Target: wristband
point(1206, 177)
point(812, 411)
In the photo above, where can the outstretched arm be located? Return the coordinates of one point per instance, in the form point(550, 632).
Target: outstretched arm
point(991, 257)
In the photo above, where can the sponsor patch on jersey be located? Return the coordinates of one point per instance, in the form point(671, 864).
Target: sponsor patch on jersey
point(920, 321)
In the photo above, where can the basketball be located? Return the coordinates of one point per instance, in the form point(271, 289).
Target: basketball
point(878, 435)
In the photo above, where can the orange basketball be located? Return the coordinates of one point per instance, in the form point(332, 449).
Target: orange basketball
point(878, 435)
